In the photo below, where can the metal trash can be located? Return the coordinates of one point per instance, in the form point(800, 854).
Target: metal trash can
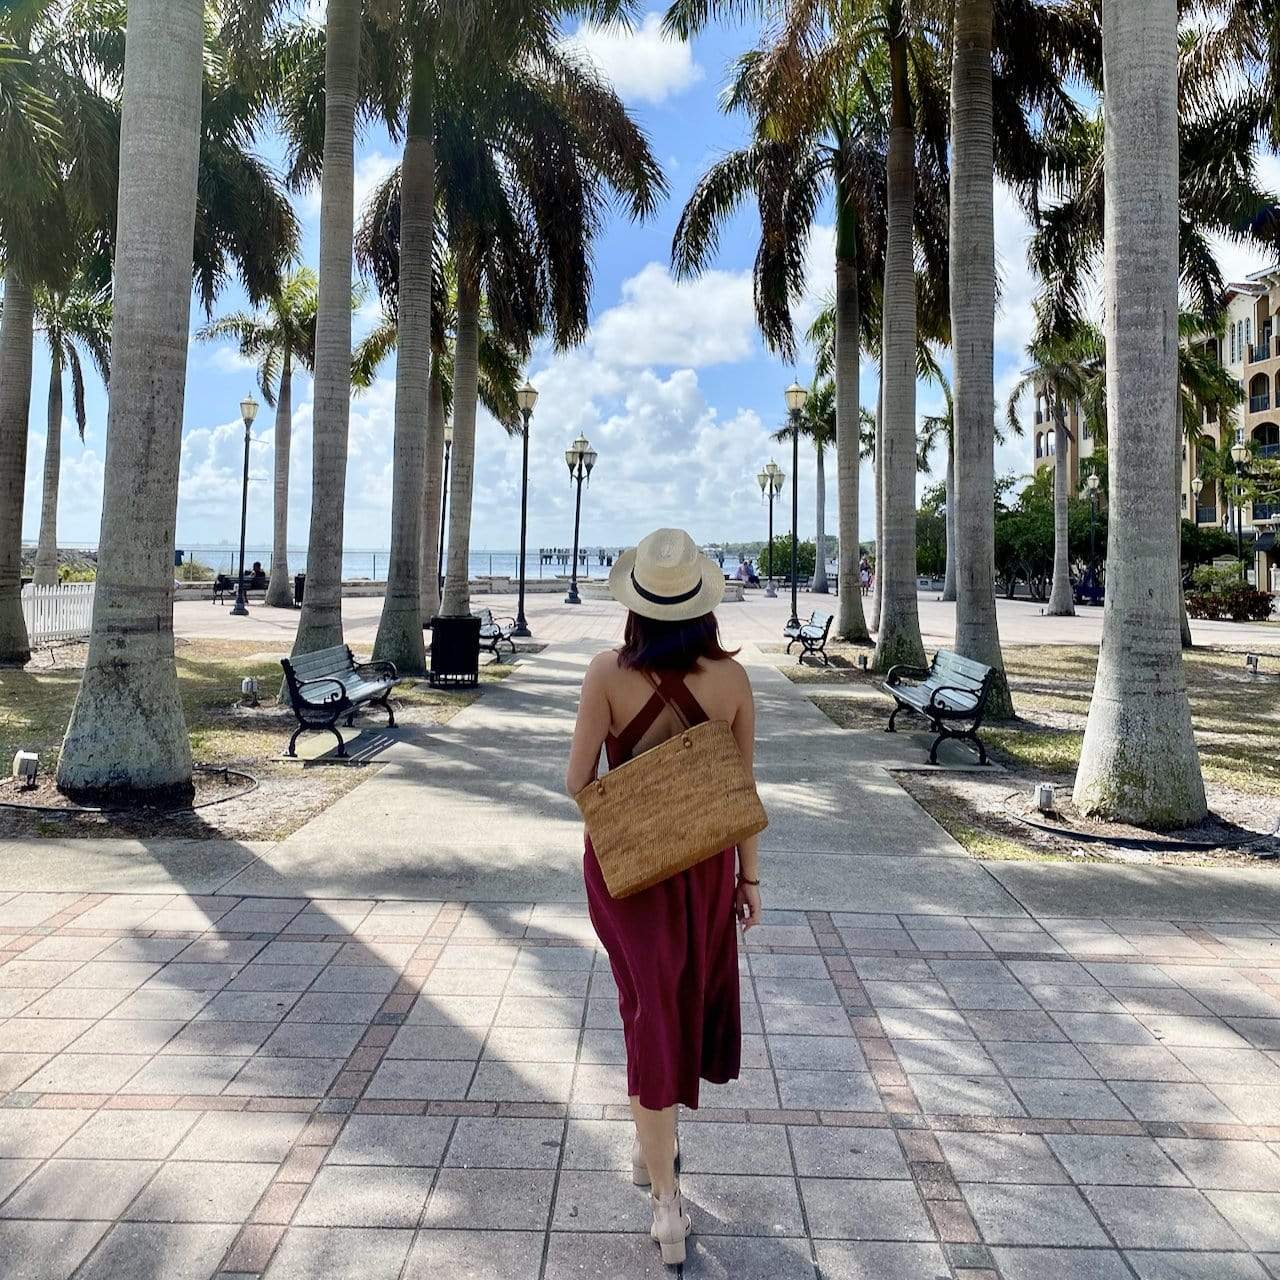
point(455, 652)
point(299, 588)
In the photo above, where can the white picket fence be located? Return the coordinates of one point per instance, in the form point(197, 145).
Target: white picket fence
point(57, 613)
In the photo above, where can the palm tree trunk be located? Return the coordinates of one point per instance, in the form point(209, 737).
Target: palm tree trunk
point(320, 625)
point(400, 630)
point(877, 583)
point(127, 737)
point(280, 589)
point(973, 300)
point(17, 330)
point(899, 639)
point(1139, 763)
point(852, 622)
point(432, 497)
point(46, 570)
point(949, 488)
point(1061, 598)
point(457, 579)
point(820, 517)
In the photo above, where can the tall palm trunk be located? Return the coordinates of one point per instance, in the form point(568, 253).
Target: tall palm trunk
point(46, 570)
point(877, 584)
point(432, 498)
point(899, 639)
point(457, 579)
point(127, 737)
point(852, 620)
point(1061, 598)
point(400, 630)
point(973, 303)
point(949, 489)
point(820, 518)
point(1139, 763)
point(280, 589)
point(320, 625)
point(17, 337)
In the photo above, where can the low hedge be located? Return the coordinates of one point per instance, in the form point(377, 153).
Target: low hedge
point(1238, 602)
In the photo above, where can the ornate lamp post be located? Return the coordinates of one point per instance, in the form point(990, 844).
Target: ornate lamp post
point(248, 411)
point(1093, 483)
point(796, 397)
point(444, 503)
point(526, 398)
point(770, 481)
point(1239, 455)
point(581, 459)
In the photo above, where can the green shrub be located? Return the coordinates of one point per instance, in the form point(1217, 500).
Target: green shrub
point(1239, 602)
point(77, 573)
point(193, 571)
point(1216, 578)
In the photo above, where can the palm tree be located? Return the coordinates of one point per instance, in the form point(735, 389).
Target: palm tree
point(816, 104)
point(127, 734)
point(285, 334)
point(1069, 370)
point(935, 428)
point(1139, 763)
point(71, 320)
point(51, 151)
point(320, 625)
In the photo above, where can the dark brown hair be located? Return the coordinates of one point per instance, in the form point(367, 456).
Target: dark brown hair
point(654, 644)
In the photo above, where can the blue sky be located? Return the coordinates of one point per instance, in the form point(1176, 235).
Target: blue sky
point(673, 386)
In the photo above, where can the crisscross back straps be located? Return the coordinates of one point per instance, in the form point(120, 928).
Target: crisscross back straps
point(671, 691)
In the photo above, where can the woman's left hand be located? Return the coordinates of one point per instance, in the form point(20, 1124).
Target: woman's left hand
point(746, 905)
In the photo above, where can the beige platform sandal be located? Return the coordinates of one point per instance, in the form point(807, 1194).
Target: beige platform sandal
point(671, 1226)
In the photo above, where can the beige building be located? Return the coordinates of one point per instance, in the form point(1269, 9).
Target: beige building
point(1250, 350)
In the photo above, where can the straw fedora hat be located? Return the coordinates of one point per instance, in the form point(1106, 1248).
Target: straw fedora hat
point(666, 577)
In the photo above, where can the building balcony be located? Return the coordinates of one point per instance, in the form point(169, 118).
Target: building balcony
point(1259, 404)
point(1265, 511)
point(1264, 349)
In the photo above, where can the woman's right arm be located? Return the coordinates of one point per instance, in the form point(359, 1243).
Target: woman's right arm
point(747, 898)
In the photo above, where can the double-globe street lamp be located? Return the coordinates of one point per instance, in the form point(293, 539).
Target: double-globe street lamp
point(526, 398)
point(796, 397)
point(248, 411)
point(770, 480)
point(1093, 483)
point(581, 459)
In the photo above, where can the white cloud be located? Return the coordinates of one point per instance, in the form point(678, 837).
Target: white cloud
point(661, 321)
point(371, 170)
point(644, 64)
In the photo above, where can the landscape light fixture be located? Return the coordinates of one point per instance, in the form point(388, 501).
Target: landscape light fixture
point(26, 765)
point(1044, 797)
point(1251, 663)
point(249, 688)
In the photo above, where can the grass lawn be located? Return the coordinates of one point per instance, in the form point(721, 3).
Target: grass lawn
point(35, 705)
point(1235, 716)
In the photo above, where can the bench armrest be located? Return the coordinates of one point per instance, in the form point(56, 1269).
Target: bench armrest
point(905, 671)
point(975, 694)
point(305, 687)
point(386, 669)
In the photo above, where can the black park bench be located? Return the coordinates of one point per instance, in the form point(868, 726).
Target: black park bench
point(811, 636)
point(495, 632)
point(328, 684)
point(951, 694)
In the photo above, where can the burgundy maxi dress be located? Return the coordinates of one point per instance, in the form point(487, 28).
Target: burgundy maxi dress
point(673, 949)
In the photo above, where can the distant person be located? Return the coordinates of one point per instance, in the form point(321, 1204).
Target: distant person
point(257, 577)
point(673, 947)
point(742, 573)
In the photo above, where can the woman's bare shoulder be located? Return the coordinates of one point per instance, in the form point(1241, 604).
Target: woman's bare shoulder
point(604, 666)
point(731, 673)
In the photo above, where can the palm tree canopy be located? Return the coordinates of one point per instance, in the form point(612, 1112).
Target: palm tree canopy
point(78, 318)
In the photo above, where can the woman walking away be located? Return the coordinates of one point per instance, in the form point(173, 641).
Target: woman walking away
point(672, 947)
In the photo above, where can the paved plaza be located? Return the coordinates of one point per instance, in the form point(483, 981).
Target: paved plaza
point(389, 1046)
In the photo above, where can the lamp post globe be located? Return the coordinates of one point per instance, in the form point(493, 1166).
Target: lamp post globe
point(526, 399)
point(248, 412)
point(771, 480)
point(796, 397)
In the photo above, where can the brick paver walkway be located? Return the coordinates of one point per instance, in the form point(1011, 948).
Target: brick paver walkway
point(195, 1086)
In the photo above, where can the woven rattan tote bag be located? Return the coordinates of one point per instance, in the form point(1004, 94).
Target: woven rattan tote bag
point(670, 808)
